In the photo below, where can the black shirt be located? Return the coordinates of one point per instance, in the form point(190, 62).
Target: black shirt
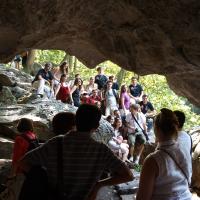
point(146, 107)
point(115, 86)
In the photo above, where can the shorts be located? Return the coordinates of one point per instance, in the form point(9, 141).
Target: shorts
point(137, 138)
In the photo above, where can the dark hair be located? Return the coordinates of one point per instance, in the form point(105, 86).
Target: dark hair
point(76, 82)
point(61, 67)
point(76, 75)
point(99, 68)
point(63, 122)
point(116, 120)
point(63, 75)
point(87, 117)
point(122, 88)
point(181, 118)
point(48, 64)
point(111, 77)
point(134, 78)
point(167, 122)
point(144, 95)
point(24, 125)
point(109, 117)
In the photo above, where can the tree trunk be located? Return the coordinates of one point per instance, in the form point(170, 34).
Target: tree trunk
point(120, 76)
point(28, 60)
point(75, 65)
point(70, 60)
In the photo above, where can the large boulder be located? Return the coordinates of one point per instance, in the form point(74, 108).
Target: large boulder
point(143, 36)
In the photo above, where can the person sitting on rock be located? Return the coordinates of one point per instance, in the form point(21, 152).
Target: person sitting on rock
point(165, 173)
point(63, 122)
point(22, 142)
point(43, 81)
point(148, 110)
point(84, 159)
point(136, 125)
point(117, 143)
point(135, 90)
point(63, 91)
point(95, 99)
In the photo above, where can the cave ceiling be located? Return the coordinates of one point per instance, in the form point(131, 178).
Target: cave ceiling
point(144, 36)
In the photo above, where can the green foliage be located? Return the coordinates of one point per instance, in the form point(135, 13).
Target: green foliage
point(54, 56)
point(154, 85)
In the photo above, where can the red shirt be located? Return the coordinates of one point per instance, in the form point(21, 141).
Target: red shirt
point(21, 147)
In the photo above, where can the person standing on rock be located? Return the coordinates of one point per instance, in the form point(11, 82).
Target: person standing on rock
point(135, 90)
point(166, 173)
point(43, 81)
point(100, 78)
point(84, 160)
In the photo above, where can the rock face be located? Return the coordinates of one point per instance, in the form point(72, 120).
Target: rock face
point(143, 36)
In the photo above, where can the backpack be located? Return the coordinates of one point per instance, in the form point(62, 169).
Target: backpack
point(33, 143)
point(36, 184)
point(116, 95)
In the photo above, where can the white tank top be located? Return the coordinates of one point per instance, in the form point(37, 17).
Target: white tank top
point(171, 184)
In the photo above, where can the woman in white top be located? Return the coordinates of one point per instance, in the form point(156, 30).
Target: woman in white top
point(91, 86)
point(59, 71)
point(117, 143)
point(165, 173)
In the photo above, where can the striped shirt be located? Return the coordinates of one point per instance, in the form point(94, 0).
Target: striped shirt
point(84, 161)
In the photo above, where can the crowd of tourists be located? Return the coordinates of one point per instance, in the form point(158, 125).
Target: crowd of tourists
point(128, 105)
point(166, 173)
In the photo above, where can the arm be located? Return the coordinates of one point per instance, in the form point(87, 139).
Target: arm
point(57, 90)
point(122, 103)
point(71, 92)
point(148, 176)
point(122, 175)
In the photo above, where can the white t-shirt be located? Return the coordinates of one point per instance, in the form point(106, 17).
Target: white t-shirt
point(130, 120)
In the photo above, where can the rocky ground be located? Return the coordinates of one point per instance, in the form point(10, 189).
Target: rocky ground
point(18, 100)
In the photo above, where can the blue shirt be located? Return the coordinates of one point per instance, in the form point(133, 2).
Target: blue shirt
point(135, 90)
point(45, 75)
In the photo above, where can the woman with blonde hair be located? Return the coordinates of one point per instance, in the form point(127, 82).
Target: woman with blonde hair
point(166, 173)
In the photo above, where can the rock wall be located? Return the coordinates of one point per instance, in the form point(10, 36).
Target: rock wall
point(143, 36)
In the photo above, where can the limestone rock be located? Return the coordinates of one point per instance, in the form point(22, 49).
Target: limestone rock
point(6, 97)
point(143, 36)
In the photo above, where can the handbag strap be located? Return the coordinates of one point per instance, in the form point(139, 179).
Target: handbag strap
point(137, 122)
point(60, 181)
point(183, 172)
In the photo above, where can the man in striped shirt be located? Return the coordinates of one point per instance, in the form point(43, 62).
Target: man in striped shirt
point(84, 159)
